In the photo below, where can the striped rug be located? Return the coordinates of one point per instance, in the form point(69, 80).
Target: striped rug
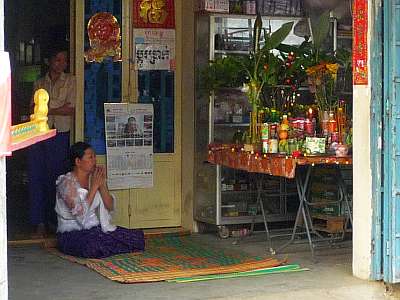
point(171, 257)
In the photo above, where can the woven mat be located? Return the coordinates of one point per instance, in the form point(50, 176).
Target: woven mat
point(167, 258)
point(268, 271)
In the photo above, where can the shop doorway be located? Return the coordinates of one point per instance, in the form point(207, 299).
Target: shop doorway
point(31, 27)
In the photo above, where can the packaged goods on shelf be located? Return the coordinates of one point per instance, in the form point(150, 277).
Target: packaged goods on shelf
point(221, 6)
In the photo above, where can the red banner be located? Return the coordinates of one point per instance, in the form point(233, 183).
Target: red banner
point(360, 42)
point(154, 14)
point(5, 104)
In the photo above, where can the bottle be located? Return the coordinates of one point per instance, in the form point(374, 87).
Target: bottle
point(332, 123)
point(285, 120)
point(341, 123)
point(238, 137)
point(325, 122)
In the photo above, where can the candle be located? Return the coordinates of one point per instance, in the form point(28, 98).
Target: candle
point(310, 114)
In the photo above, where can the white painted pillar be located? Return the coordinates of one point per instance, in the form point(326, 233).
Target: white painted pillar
point(362, 183)
point(362, 173)
point(3, 210)
point(3, 231)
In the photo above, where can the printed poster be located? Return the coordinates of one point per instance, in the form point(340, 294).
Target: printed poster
point(129, 145)
point(154, 49)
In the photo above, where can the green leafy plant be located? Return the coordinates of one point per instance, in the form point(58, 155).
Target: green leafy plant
point(221, 73)
point(263, 66)
point(255, 72)
point(319, 67)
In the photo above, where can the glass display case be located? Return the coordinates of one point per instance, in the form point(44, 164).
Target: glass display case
point(226, 196)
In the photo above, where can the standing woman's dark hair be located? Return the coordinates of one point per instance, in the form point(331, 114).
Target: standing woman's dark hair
point(77, 150)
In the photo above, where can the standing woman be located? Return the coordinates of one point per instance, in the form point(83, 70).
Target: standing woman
point(48, 159)
point(83, 207)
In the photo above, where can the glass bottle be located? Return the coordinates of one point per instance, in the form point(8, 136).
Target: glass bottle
point(332, 123)
point(285, 120)
point(274, 115)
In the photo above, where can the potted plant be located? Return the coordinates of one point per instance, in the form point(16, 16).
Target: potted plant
point(254, 72)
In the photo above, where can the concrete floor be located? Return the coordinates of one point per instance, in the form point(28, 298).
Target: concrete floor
point(36, 274)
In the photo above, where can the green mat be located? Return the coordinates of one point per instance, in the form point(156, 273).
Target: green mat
point(273, 270)
point(167, 258)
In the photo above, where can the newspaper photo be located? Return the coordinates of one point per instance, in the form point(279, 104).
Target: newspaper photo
point(129, 145)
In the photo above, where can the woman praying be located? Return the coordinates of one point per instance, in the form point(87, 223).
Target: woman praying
point(83, 206)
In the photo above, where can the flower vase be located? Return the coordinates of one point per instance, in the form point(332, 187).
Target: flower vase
point(253, 132)
point(254, 127)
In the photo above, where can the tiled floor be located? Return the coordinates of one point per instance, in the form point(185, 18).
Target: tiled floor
point(36, 274)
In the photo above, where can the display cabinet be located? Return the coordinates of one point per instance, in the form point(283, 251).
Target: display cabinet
point(225, 196)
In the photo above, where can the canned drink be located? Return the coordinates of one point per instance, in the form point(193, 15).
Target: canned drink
point(300, 123)
point(273, 146)
point(265, 146)
point(265, 131)
point(309, 127)
point(273, 130)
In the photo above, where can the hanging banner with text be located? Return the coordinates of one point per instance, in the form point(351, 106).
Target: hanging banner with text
point(360, 42)
point(154, 49)
point(129, 145)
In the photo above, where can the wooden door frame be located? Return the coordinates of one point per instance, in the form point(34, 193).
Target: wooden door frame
point(183, 75)
point(376, 139)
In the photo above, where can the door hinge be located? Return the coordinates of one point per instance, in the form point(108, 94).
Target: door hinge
point(129, 210)
point(387, 248)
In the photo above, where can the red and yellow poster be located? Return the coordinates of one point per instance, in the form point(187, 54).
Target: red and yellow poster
point(360, 42)
point(154, 14)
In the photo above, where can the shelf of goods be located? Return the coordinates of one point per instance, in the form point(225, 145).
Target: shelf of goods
point(327, 210)
point(226, 196)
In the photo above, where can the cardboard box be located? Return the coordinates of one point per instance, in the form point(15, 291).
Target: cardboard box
point(237, 118)
point(249, 7)
point(221, 6)
point(207, 5)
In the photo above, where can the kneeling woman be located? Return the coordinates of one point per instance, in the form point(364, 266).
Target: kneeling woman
point(83, 207)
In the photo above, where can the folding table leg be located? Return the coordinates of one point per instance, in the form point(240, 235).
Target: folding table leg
point(302, 187)
point(260, 203)
point(345, 196)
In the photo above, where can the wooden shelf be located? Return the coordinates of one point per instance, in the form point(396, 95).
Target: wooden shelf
point(241, 52)
point(231, 124)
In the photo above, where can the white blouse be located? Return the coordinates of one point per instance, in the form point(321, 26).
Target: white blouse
point(73, 211)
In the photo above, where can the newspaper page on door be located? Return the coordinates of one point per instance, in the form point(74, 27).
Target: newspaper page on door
point(129, 145)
